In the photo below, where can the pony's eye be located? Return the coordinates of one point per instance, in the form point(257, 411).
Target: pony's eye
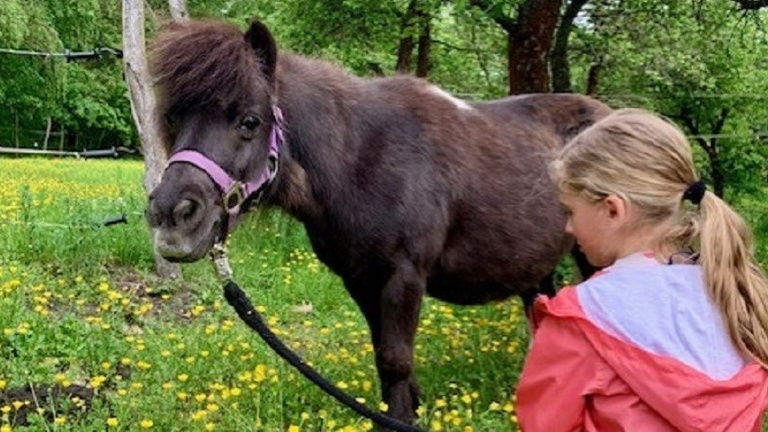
point(250, 122)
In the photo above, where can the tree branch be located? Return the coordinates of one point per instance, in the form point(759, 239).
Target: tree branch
point(718, 126)
point(561, 73)
point(494, 11)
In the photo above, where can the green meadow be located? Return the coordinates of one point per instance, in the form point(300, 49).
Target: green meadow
point(91, 340)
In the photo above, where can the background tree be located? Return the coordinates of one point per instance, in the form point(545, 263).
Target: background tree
point(698, 63)
point(144, 105)
point(78, 101)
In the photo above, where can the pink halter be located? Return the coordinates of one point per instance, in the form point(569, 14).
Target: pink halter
point(234, 192)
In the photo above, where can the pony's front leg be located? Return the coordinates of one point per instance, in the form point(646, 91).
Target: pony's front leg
point(400, 305)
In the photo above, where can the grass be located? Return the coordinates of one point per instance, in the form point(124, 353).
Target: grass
point(92, 341)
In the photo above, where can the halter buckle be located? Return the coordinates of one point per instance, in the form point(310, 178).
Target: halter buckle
point(234, 197)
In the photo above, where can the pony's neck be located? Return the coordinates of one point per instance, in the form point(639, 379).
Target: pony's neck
point(321, 136)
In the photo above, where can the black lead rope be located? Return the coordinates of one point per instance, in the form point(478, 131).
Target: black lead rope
point(245, 310)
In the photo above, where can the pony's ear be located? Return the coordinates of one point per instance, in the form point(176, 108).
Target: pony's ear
point(261, 40)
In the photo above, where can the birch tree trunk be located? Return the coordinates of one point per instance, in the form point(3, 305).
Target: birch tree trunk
point(178, 10)
point(143, 106)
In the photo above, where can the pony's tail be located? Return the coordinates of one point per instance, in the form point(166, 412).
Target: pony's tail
point(735, 281)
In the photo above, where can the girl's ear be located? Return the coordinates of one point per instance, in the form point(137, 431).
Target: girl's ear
point(616, 207)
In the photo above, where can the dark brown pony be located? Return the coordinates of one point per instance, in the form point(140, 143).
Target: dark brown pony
point(403, 189)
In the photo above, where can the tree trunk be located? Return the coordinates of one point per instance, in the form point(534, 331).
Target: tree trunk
point(529, 45)
point(561, 71)
point(47, 134)
point(425, 46)
point(143, 108)
point(404, 52)
point(405, 47)
point(178, 10)
point(529, 40)
point(593, 77)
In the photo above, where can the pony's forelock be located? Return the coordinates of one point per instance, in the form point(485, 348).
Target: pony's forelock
point(200, 64)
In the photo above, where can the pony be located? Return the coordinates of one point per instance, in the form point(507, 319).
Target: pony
point(403, 190)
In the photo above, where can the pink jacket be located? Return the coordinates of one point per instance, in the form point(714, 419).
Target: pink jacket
point(646, 358)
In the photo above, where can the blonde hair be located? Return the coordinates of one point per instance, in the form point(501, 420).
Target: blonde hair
point(647, 161)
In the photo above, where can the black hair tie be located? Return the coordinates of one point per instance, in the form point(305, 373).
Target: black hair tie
point(695, 192)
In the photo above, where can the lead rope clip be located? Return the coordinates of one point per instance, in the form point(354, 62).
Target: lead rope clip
point(221, 262)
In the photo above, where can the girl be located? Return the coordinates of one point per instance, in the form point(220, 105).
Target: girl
point(673, 334)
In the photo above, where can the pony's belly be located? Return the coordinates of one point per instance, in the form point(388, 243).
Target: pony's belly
point(459, 291)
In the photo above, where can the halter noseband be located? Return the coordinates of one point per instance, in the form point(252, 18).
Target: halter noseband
point(234, 192)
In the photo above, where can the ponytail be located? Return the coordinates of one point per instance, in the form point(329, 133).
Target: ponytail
point(735, 281)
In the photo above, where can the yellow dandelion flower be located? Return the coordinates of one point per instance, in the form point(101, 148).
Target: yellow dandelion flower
point(183, 377)
point(112, 422)
point(3, 384)
point(60, 420)
point(97, 381)
point(293, 428)
point(146, 424)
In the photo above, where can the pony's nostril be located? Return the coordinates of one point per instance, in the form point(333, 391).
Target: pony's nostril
point(185, 210)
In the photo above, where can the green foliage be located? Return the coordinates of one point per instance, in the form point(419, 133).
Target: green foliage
point(86, 99)
point(691, 61)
